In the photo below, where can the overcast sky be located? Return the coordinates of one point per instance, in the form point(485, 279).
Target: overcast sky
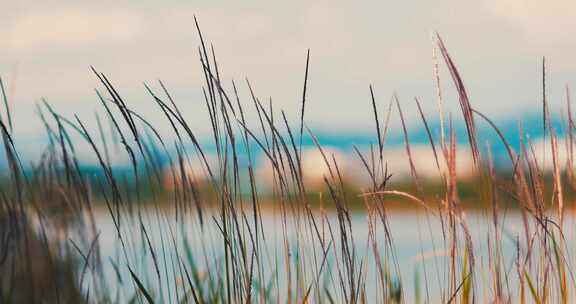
point(46, 49)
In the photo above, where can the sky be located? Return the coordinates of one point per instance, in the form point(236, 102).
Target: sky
point(47, 48)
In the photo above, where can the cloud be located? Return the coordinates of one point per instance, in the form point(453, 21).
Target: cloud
point(540, 22)
point(70, 28)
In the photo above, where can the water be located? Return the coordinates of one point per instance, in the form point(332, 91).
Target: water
point(421, 256)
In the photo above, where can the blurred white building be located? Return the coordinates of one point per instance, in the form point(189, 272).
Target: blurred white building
point(354, 170)
point(542, 149)
point(398, 163)
point(314, 166)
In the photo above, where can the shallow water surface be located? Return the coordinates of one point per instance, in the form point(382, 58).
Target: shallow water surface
point(418, 260)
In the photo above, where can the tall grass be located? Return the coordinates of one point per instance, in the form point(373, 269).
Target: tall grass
point(205, 241)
